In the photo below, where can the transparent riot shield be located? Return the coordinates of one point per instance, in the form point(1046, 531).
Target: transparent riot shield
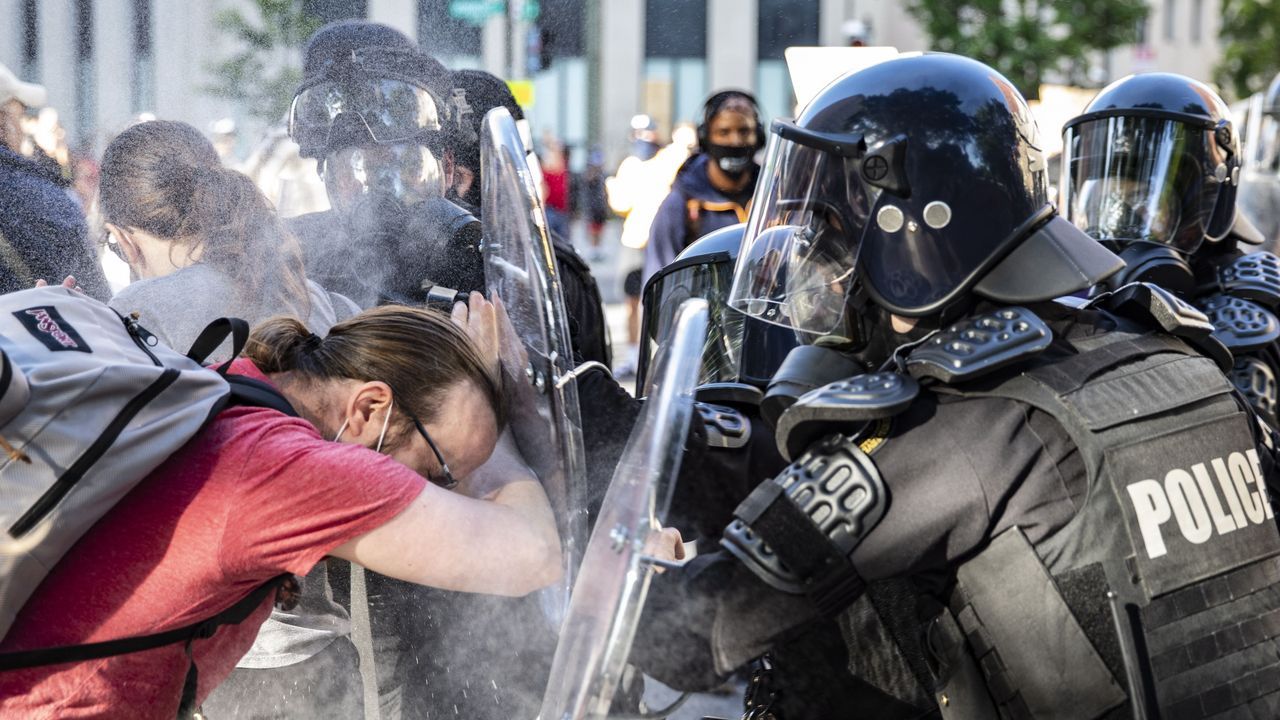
point(609, 594)
point(520, 269)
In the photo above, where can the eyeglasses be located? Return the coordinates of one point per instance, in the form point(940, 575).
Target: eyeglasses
point(113, 246)
point(446, 479)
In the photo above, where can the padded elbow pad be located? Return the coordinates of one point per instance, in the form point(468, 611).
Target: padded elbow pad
point(797, 531)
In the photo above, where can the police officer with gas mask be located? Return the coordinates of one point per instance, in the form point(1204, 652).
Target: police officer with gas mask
point(375, 111)
point(1028, 509)
point(1152, 171)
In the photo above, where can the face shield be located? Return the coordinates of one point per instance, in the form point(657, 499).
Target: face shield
point(1143, 179)
point(798, 263)
point(330, 114)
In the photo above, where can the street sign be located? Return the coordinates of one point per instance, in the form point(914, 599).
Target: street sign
point(476, 12)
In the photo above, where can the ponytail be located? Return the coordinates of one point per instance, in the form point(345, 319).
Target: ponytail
point(241, 235)
point(280, 345)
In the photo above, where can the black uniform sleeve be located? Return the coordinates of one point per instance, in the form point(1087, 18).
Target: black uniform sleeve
point(710, 618)
point(587, 326)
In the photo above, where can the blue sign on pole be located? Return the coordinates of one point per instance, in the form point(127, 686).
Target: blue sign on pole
point(476, 12)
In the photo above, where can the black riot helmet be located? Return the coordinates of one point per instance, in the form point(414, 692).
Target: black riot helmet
point(1153, 161)
point(913, 186)
point(738, 348)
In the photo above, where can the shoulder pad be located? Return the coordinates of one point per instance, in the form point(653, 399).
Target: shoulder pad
point(979, 345)
point(1255, 277)
point(843, 406)
point(1241, 325)
point(726, 427)
point(1256, 380)
point(1149, 303)
point(732, 393)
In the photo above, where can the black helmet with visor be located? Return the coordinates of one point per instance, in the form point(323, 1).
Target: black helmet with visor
point(912, 185)
point(738, 348)
point(1154, 160)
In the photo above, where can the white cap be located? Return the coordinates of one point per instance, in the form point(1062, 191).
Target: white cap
point(29, 94)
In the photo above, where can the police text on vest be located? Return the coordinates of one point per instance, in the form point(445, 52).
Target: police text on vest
point(1224, 495)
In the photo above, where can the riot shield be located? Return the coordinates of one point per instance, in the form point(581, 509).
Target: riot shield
point(609, 594)
point(520, 268)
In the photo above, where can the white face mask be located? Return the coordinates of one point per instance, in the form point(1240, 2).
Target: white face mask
point(381, 436)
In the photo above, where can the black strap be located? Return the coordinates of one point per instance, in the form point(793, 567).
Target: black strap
point(834, 582)
point(1073, 372)
point(214, 334)
point(255, 393)
point(108, 648)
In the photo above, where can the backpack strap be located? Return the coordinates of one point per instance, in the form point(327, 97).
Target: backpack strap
point(233, 615)
point(214, 334)
point(255, 393)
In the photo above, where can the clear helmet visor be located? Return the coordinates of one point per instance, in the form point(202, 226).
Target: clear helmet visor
point(798, 262)
point(330, 114)
point(1139, 179)
point(407, 172)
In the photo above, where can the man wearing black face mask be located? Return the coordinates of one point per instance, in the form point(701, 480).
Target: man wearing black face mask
point(713, 188)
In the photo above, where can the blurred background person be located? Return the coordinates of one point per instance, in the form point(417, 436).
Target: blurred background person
point(594, 202)
point(43, 230)
point(635, 191)
point(556, 181)
point(713, 188)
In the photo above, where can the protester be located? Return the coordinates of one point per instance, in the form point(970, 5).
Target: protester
point(206, 244)
point(201, 239)
point(258, 493)
point(43, 231)
point(595, 203)
point(713, 188)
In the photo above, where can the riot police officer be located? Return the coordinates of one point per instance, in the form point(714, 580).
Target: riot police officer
point(479, 92)
point(1033, 509)
point(375, 112)
point(1152, 170)
point(1260, 180)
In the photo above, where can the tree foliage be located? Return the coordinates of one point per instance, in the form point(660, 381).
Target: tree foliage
point(1031, 40)
point(1251, 45)
point(264, 72)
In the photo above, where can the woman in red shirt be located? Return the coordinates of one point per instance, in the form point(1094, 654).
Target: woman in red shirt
point(258, 493)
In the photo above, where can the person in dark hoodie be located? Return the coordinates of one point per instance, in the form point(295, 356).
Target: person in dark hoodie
point(713, 188)
point(42, 232)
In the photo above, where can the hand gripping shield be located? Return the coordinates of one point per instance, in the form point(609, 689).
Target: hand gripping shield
point(519, 268)
point(609, 595)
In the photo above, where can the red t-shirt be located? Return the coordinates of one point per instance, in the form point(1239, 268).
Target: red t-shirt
point(255, 494)
point(557, 189)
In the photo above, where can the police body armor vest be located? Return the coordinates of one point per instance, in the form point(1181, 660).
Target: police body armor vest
point(1156, 597)
point(1166, 569)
